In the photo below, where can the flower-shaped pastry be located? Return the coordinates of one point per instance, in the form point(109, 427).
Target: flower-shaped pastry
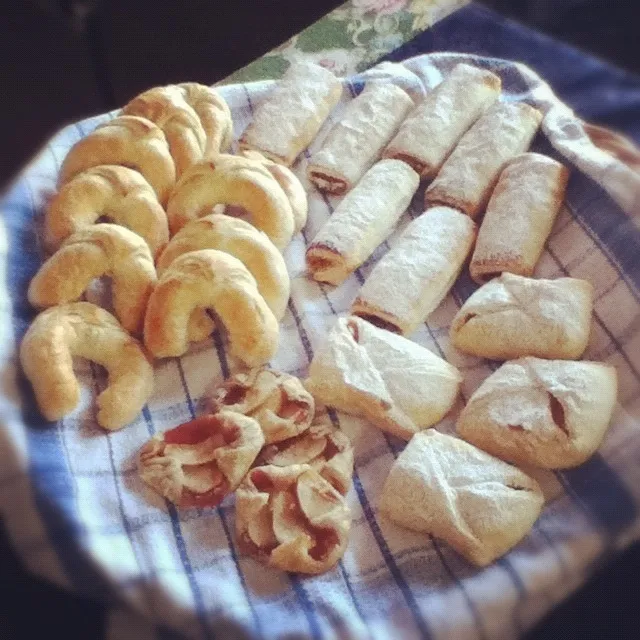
point(291, 518)
point(198, 463)
point(278, 401)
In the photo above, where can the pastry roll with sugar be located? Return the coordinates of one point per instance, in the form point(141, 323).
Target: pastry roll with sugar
point(433, 128)
point(413, 278)
point(398, 385)
point(289, 118)
point(511, 317)
point(362, 220)
point(357, 140)
point(519, 217)
point(479, 505)
point(547, 413)
point(469, 174)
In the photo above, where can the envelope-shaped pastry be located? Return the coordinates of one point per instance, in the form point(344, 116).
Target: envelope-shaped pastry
point(511, 317)
point(291, 518)
point(396, 384)
point(547, 413)
point(198, 463)
point(479, 505)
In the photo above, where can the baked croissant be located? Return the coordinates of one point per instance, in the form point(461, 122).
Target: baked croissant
point(92, 252)
point(200, 462)
point(210, 279)
point(110, 193)
point(291, 518)
point(236, 181)
point(84, 330)
point(129, 141)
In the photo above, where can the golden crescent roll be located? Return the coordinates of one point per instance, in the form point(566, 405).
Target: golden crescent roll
point(130, 141)
point(210, 279)
point(99, 250)
point(84, 330)
point(243, 241)
point(235, 181)
point(290, 184)
point(117, 194)
point(166, 107)
point(214, 113)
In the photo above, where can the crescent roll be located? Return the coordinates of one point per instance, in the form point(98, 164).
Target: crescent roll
point(519, 217)
point(413, 277)
point(80, 329)
point(479, 505)
point(180, 123)
point(511, 317)
point(99, 250)
point(468, 176)
point(289, 118)
point(547, 413)
point(210, 279)
point(115, 194)
point(356, 141)
point(433, 128)
point(363, 219)
point(130, 141)
point(396, 384)
point(237, 181)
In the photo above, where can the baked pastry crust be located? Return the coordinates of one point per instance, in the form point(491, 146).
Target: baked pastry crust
point(468, 176)
point(130, 141)
point(363, 219)
point(289, 118)
point(200, 462)
point(210, 279)
point(519, 217)
point(415, 275)
point(432, 130)
point(511, 317)
point(547, 413)
point(81, 329)
point(93, 252)
point(356, 141)
point(118, 194)
point(396, 384)
point(479, 505)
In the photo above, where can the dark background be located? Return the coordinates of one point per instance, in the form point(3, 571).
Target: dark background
point(61, 60)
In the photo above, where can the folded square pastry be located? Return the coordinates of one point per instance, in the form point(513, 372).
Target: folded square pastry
point(413, 278)
point(470, 173)
point(357, 140)
point(363, 220)
point(519, 217)
point(398, 385)
point(198, 463)
point(291, 518)
point(289, 118)
point(433, 128)
point(277, 400)
point(511, 317)
point(479, 505)
point(547, 413)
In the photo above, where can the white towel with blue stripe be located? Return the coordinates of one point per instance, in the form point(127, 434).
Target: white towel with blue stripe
point(79, 515)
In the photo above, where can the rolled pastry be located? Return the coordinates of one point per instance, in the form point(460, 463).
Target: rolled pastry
point(511, 317)
point(519, 216)
point(470, 173)
point(396, 384)
point(362, 220)
point(433, 128)
point(357, 140)
point(479, 505)
point(289, 118)
point(547, 413)
point(412, 279)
